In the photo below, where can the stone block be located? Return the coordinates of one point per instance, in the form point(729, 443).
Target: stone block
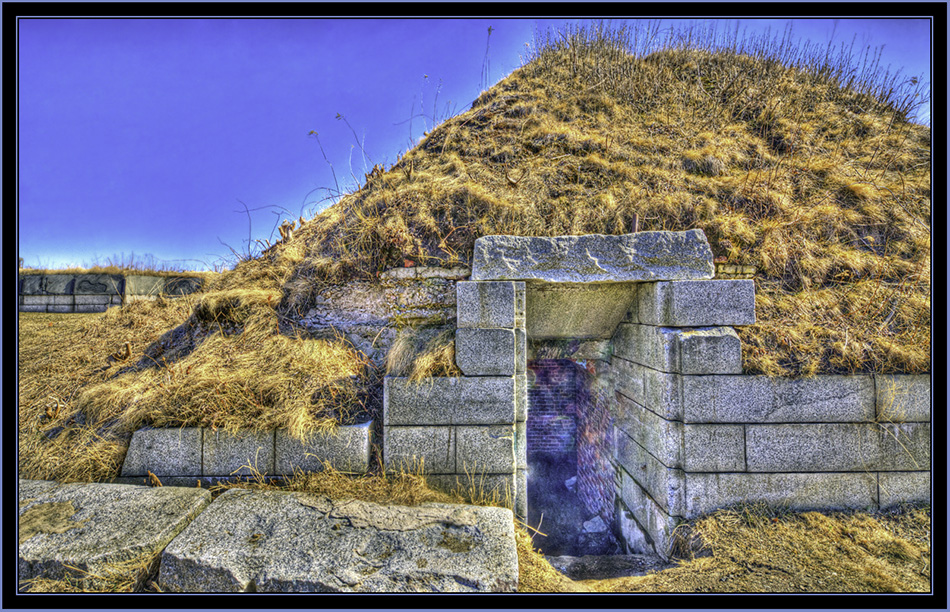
point(89, 525)
point(700, 303)
point(655, 523)
point(41, 300)
point(30, 284)
point(116, 300)
point(224, 453)
point(164, 452)
point(706, 350)
point(449, 401)
point(430, 449)
point(661, 438)
point(708, 492)
point(425, 272)
point(345, 449)
point(33, 308)
point(57, 284)
point(759, 399)
point(60, 308)
point(576, 310)
point(90, 300)
point(837, 447)
point(903, 398)
point(656, 390)
point(713, 448)
point(485, 304)
point(903, 487)
point(282, 541)
point(710, 350)
point(666, 486)
point(592, 258)
point(140, 284)
point(486, 449)
point(111, 284)
point(485, 352)
point(91, 308)
point(632, 535)
point(520, 304)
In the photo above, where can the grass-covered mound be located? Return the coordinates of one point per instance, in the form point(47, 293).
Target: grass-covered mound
point(806, 168)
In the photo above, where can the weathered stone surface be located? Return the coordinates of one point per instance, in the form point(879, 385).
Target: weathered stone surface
point(521, 398)
point(345, 449)
point(708, 492)
point(703, 350)
point(276, 541)
point(141, 284)
point(903, 398)
point(90, 308)
point(575, 310)
point(485, 304)
point(224, 453)
point(760, 399)
point(645, 256)
point(521, 445)
point(664, 485)
point(485, 352)
point(903, 487)
point(656, 390)
point(33, 307)
point(485, 400)
point(660, 437)
point(488, 449)
point(429, 449)
point(98, 300)
point(657, 525)
point(713, 448)
point(700, 303)
point(838, 447)
point(112, 284)
point(89, 525)
point(164, 452)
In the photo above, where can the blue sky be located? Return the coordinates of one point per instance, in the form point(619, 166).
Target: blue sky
point(145, 136)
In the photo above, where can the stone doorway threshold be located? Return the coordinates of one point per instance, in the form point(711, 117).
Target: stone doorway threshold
point(601, 567)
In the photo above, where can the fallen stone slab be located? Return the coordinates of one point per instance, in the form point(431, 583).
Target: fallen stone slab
point(91, 525)
point(594, 258)
point(281, 541)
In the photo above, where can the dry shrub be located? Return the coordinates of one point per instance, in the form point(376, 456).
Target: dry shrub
point(420, 353)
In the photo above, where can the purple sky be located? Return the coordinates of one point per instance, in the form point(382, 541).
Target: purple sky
point(142, 136)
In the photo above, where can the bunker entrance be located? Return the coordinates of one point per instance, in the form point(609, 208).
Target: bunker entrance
point(569, 483)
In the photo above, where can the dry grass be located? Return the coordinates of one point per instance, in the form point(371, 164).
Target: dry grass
point(420, 353)
point(757, 550)
point(820, 182)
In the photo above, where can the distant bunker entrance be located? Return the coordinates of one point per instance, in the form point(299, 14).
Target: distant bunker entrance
point(578, 290)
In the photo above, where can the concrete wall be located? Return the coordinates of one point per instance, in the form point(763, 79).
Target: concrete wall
point(68, 293)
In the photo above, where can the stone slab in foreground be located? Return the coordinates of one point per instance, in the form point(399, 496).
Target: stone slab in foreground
point(594, 258)
point(280, 541)
point(90, 525)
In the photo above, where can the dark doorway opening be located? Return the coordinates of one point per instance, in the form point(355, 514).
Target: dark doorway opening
point(559, 505)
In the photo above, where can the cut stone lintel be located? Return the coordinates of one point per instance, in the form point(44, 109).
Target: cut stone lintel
point(594, 258)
